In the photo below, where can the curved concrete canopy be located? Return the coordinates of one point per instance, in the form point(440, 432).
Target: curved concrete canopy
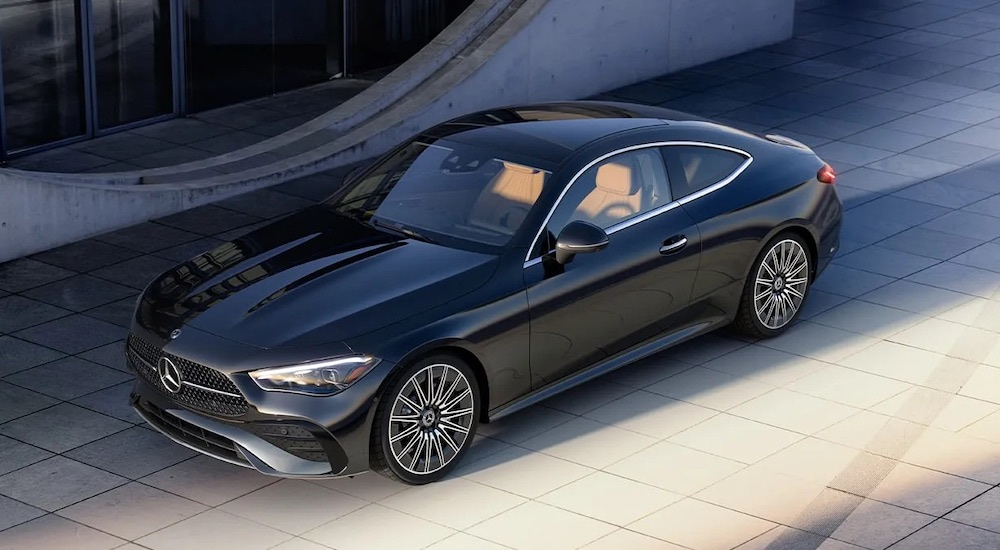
point(498, 52)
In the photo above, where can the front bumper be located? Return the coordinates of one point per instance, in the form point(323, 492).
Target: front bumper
point(263, 446)
point(223, 414)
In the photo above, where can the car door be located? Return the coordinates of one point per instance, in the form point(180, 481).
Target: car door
point(637, 288)
point(700, 174)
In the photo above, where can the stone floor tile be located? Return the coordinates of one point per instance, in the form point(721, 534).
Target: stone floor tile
point(132, 511)
point(207, 480)
point(709, 388)
point(689, 470)
point(14, 513)
point(113, 402)
point(52, 531)
point(931, 244)
point(766, 365)
point(980, 512)
point(589, 443)
point(73, 334)
point(942, 533)
point(877, 525)
point(208, 220)
point(927, 491)
point(17, 355)
point(62, 427)
point(18, 312)
point(458, 541)
point(523, 472)
point(651, 414)
point(447, 502)
point(67, 378)
point(17, 402)
point(866, 318)
point(959, 278)
point(56, 483)
point(850, 282)
point(736, 438)
point(848, 387)
point(648, 371)
point(136, 273)
point(79, 293)
point(609, 498)
point(910, 296)
point(587, 397)
point(787, 497)
point(117, 453)
point(819, 342)
point(148, 237)
point(24, 274)
point(17, 455)
point(526, 424)
point(365, 529)
point(942, 194)
point(695, 524)
point(110, 355)
point(623, 538)
point(214, 529)
point(811, 414)
point(534, 525)
point(956, 454)
point(118, 313)
point(966, 224)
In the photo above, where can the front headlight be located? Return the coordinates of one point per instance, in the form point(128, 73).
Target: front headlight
point(325, 377)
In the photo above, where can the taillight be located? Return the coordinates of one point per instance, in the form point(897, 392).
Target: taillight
point(827, 174)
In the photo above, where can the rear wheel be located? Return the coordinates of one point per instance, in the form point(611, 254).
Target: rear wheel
point(426, 421)
point(776, 288)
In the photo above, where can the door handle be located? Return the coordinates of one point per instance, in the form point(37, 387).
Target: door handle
point(673, 245)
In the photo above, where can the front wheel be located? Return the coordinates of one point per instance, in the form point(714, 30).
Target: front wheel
point(776, 288)
point(425, 421)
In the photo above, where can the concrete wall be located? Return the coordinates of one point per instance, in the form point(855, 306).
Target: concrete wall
point(536, 50)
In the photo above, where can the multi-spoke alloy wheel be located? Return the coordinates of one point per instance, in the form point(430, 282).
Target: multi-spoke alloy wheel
point(778, 285)
point(426, 421)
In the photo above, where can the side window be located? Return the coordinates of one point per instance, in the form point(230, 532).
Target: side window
point(693, 167)
point(614, 190)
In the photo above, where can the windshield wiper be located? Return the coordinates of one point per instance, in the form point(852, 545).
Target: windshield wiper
point(403, 230)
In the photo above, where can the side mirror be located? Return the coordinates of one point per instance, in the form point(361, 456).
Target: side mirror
point(579, 238)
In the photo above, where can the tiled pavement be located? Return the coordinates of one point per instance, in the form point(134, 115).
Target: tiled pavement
point(873, 423)
point(199, 136)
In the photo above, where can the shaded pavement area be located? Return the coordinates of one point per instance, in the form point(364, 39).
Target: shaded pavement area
point(873, 423)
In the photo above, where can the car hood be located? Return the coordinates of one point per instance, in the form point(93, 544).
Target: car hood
point(309, 279)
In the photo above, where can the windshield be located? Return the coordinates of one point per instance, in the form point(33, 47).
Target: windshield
point(445, 192)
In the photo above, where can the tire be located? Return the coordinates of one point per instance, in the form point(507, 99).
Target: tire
point(783, 271)
point(437, 420)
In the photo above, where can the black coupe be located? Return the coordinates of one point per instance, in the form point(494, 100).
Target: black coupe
point(485, 265)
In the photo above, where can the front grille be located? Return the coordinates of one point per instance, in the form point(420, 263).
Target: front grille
point(203, 388)
point(294, 440)
point(199, 438)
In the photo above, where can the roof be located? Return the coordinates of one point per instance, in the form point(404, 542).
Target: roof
point(551, 131)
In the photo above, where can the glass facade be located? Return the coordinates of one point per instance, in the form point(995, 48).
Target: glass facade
point(41, 52)
point(75, 69)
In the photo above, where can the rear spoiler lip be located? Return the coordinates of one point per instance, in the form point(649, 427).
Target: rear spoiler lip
point(785, 140)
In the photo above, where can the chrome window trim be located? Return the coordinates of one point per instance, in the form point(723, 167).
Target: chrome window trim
point(624, 224)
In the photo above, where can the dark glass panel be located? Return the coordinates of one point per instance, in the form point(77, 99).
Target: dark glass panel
point(40, 48)
point(388, 32)
point(244, 49)
point(132, 60)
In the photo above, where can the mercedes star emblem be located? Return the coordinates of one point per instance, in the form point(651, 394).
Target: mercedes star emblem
point(170, 375)
point(175, 333)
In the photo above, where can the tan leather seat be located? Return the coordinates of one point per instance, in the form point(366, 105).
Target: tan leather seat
point(506, 201)
point(617, 195)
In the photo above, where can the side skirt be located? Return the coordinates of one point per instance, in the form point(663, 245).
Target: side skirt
point(602, 368)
